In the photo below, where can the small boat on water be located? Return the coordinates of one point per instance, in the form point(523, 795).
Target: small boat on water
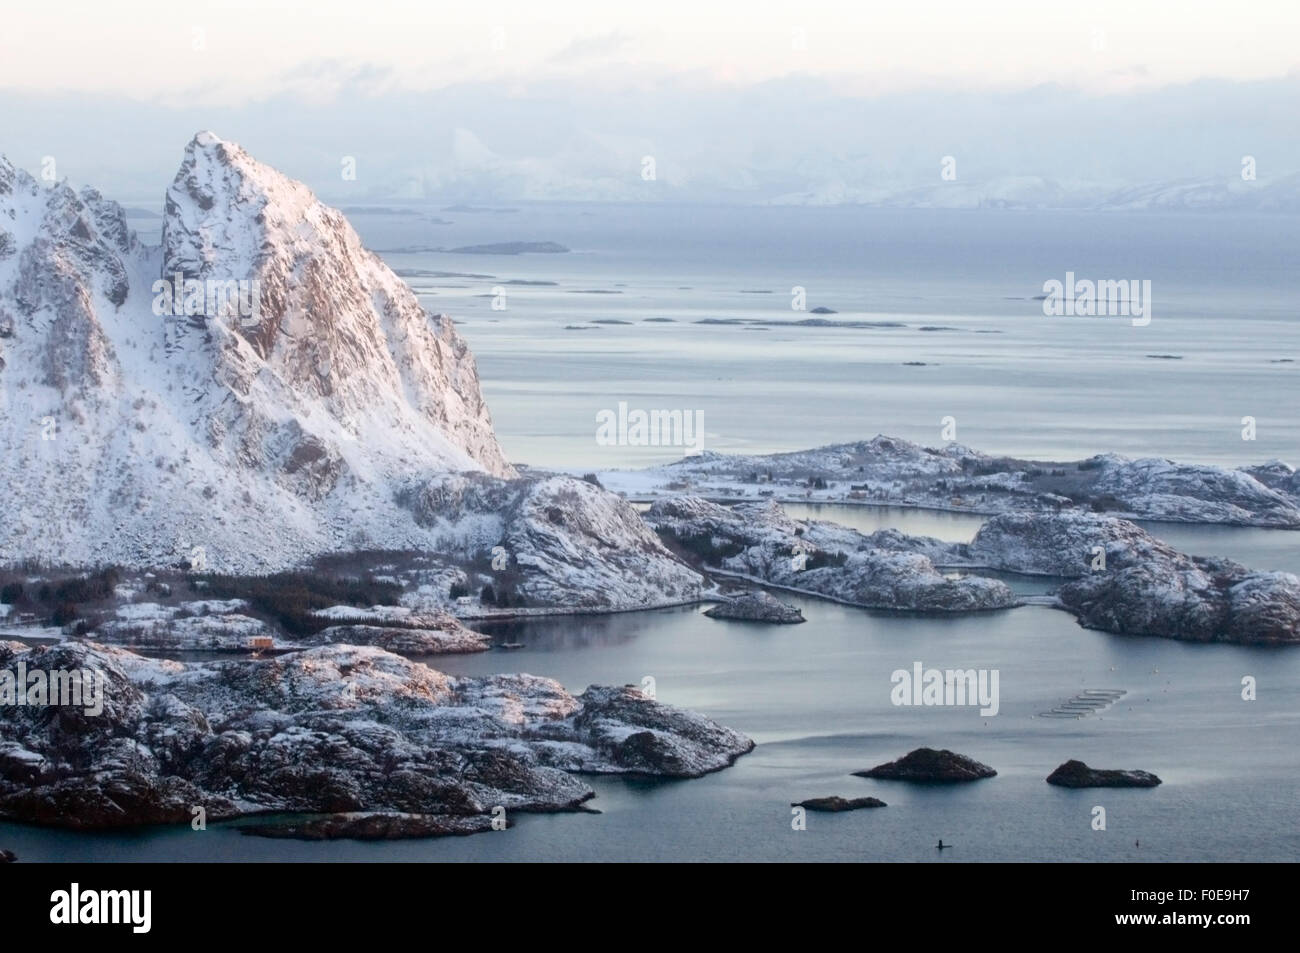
point(511, 645)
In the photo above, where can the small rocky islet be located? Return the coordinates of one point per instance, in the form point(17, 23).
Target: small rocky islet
point(837, 804)
point(1076, 774)
point(756, 606)
point(930, 766)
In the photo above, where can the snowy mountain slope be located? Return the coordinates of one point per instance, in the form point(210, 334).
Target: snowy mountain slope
point(134, 436)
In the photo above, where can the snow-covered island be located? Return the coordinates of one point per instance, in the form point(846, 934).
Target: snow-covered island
point(760, 543)
point(896, 472)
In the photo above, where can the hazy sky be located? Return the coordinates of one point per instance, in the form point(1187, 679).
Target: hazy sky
point(232, 50)
point(809, 101)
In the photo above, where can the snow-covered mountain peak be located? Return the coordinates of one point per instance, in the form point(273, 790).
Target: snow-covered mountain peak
point(250, 387)
point(223, 205)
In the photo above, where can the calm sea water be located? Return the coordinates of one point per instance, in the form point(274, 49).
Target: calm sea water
point(816, 696)
point(1224, 304)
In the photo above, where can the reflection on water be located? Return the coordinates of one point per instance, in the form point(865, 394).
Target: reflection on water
point(1265, 549)
point(569, 633)
point(950, 527)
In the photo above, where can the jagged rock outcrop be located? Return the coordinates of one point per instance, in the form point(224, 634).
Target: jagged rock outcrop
point(881, 571)
point(1076, 774)
point(930, 766)
point(756, 606)
point(336, 730)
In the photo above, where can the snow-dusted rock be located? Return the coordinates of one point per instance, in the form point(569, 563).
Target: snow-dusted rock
point(399, 629)
point(325, 413)
point(1127, 581)
point(1158, 489)
point(332, 730)
point(228, 631)
point(756, 606)
point(881, 571)
point(1192, 598)
point(556, 541)
point(1064, 544)
point(442, 638)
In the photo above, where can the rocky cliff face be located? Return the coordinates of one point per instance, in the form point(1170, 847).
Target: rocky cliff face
point(258, 388)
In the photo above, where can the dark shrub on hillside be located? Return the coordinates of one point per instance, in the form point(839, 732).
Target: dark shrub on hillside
point(11, 593)
point(503, 596)
point(290, 598)
point(92, 588)
point(1106, 503)
point(820, 559)
point(702, 546)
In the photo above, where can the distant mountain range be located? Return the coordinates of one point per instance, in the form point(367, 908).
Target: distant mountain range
point(607, 169)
